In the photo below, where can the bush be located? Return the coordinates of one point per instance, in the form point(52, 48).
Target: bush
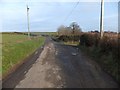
point(108, 45)
point(67, 38)
point(105, 45)
point(89, 40)
point(105, 51)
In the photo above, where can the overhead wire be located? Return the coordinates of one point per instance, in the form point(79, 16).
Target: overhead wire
point(71, 12)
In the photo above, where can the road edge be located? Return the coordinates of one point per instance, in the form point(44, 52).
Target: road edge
point(16, 68)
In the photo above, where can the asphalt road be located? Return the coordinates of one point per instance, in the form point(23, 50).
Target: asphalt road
point(60, 66)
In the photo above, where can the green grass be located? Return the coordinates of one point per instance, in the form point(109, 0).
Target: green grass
point(71, 43)
point(49, 33)
point(16, 48)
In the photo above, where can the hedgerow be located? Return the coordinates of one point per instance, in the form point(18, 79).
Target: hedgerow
point(105, 50)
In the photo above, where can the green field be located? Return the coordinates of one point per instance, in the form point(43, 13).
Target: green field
point(16, 48)
point(71, 43)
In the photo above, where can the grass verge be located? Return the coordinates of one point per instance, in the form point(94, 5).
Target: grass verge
point(17, 47)
point(71, 43)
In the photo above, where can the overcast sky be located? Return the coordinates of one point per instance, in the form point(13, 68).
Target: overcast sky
point(47, 16)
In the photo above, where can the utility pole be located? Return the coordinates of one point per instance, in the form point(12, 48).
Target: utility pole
point(28, 22)
point(102, 19)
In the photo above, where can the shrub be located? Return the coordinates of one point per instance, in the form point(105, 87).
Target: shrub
point(105, 45)
point(66, 38)
point(89, 40)
point(105, 51)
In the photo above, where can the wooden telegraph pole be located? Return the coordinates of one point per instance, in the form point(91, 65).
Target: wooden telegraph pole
point(28, 22)
point(102, 19)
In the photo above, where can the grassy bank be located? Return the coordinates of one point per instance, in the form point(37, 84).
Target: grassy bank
point(17, 47)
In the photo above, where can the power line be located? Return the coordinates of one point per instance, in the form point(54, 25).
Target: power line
point(71, 12)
